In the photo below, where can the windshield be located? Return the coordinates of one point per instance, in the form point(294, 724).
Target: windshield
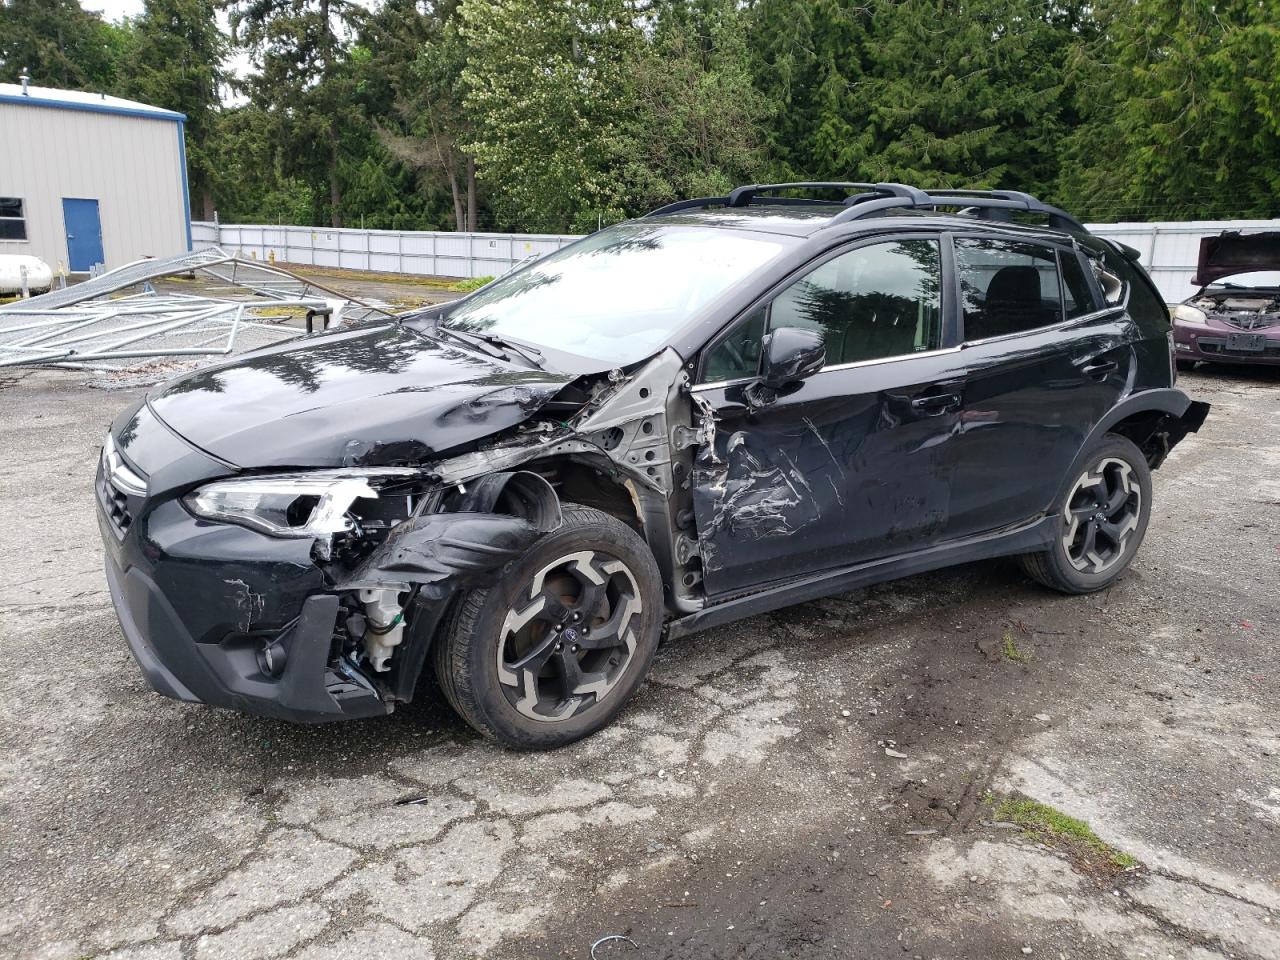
point(618, 295)
point(1258, 278)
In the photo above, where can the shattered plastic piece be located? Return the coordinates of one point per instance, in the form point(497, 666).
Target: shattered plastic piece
point(890, 752)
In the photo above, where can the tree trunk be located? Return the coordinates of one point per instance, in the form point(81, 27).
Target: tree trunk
point(335, 190)
point(473, 214)
point(206, 206)
point(459, 218)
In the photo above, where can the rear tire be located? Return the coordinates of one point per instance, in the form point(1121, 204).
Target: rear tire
point(553, 651)
point(1102, 520)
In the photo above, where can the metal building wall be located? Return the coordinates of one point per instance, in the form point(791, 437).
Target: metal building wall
point(133, 167)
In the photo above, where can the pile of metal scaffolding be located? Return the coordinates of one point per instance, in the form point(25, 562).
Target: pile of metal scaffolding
point(118, 321)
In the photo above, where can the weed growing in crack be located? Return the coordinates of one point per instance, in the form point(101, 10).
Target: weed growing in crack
point(1052, 827)
point(1011, 651)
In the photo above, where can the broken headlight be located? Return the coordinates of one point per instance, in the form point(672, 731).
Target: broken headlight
point(1185, 313)
point(293, 505)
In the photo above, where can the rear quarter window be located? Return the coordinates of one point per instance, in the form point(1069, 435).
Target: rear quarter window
point(1146, 306)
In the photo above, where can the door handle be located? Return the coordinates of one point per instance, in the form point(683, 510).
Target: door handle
point(935, 403)
point(1100, 370)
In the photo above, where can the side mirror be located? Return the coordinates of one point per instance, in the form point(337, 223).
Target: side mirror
point(790, 355)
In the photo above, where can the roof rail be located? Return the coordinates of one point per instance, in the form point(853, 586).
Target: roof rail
point(987, 204)
point(873, 198)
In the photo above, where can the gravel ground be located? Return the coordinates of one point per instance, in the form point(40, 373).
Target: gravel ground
point(744, 805)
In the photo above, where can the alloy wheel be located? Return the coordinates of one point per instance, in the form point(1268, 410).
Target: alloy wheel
point(1101, 515)
point(569, 640)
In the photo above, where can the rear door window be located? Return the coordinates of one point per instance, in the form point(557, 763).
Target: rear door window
point(1007, 286)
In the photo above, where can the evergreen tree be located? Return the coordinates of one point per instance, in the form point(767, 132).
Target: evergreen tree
point(59, 43)
point(1180, 107)
point(300, 49)
point(173, 59)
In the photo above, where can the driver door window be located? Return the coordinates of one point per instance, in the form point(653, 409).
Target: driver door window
point(871, 303)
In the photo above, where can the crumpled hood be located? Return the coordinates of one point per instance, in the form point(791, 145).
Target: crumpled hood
point(1234, 252)
point(357, 395)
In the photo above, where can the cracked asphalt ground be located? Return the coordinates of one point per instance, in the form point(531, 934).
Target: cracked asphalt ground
point(744, 805)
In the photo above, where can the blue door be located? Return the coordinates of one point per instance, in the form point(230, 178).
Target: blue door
point(84, 234)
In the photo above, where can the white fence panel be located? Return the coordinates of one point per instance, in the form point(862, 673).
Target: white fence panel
point(1169, 250)
point(423, 253)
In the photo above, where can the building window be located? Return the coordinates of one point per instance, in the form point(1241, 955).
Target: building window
point(13, 222)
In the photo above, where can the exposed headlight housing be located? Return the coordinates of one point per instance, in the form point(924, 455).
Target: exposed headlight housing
point(1185, 313)
point(292, 505)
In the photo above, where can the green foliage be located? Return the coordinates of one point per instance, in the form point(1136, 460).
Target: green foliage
point(548, 90)
point(1044, 823)
point(696, 126)
point(536, 115)
point(1180, 111)
point(1010, 649)
point(471, 283)
point(59, 43)
point(172, 57)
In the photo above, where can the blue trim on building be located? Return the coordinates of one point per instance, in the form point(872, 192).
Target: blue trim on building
point(186, 190)
point(157, 114)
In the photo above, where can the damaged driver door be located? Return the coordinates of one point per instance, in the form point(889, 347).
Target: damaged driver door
point(844, 463)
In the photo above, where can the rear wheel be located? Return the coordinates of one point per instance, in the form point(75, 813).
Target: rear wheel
point(1101, 521)
point(553, 651)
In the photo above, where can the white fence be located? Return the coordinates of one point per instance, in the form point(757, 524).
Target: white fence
point(1169, 250)
point(432, 254)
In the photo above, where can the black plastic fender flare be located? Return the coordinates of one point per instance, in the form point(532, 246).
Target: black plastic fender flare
point(1181, 415)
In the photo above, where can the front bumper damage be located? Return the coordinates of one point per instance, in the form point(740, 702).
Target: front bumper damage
point(199, 603)
point(222, 614)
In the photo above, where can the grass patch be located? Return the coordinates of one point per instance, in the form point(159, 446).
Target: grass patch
point(1011, 651)
point(471, 283)
point(1052, 827)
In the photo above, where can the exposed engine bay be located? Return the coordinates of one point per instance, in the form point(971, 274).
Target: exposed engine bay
point(401, 538)
point(1246, 309)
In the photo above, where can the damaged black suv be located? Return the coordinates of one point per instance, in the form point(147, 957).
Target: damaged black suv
point(724, 407)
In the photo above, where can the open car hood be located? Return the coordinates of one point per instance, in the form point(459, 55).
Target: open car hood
point(1233, 252)
point(368, 395)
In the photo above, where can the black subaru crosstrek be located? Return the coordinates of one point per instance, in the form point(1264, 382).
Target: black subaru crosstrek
point(724, 407)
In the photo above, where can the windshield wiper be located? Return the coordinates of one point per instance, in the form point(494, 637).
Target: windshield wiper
point(532, 354)
point(492, 344)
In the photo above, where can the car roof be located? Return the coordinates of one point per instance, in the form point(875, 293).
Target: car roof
point(808, 219)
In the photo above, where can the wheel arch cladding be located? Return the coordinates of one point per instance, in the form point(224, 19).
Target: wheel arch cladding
point(1155, 420)
point(439, 555)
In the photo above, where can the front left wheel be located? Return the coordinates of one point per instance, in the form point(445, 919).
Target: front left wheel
point(552, 652)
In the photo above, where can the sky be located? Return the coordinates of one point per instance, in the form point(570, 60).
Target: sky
point(114, 9)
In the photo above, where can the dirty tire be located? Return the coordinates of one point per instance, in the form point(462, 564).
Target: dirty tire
point(1103, 518)
point(553, 651)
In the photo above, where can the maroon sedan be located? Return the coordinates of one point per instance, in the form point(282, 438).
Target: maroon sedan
point(1235, 317)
